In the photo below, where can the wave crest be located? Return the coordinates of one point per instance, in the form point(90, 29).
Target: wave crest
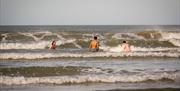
point(86, 78)
point(85, 55)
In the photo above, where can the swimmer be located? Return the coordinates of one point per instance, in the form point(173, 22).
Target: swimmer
point(53, 45)
point(126, 47)
point(94, 45)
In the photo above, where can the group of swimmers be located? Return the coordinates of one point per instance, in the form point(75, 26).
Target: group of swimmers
point(94, 45)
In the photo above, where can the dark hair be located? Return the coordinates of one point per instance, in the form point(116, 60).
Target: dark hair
point(53, 42)
point(95, 37)
point(124, 41)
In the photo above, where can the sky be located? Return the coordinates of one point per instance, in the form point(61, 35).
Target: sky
point(89, 12)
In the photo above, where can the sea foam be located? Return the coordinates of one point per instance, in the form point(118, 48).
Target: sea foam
point(87, 78)
point(85, 55)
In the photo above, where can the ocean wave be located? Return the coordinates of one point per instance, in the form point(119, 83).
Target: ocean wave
point(126, 36)
point(35, 44)
point(170, 35)
point(31, 45)
point(174, 38)
point(137, 45)
point(41, 71)
point(87, 78)
point(38, 43)
point(140, 49)
point(41, 40)
point(85, 55)
point(175, 42)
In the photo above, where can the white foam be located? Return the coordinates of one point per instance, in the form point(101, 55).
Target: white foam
point(86, 78)
point(111, 49)
point(30, 45)
point(85, 55)
point(135, 49)
point(153, 49)
point(170, 35)
point(176, 42)
point(174, 38)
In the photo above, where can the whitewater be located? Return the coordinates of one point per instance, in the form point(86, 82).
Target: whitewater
point(154, 43)
point(27, 64)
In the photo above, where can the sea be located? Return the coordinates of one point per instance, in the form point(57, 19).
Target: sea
point(27, 63)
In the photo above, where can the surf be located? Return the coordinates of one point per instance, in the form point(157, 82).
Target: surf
point(86, 79)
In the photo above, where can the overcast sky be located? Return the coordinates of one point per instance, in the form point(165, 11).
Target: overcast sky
point(89, 12)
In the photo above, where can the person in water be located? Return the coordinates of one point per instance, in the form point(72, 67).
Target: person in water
point(94, 45)
point(126, 47)
point(53, 45)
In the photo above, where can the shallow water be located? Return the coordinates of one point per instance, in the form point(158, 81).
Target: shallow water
point(96, 74)
point(21, 44)
point(26, 64)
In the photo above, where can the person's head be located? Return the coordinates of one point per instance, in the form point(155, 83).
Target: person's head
point(53, 41)
point(95, 37)
point(124, 41)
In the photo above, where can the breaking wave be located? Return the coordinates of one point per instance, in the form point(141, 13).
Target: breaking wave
point(31, 45)
point(85, 55)
point(143, 44)
point(139, 49)
point(41, 40)
point(88, 78)
point(174, 38)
